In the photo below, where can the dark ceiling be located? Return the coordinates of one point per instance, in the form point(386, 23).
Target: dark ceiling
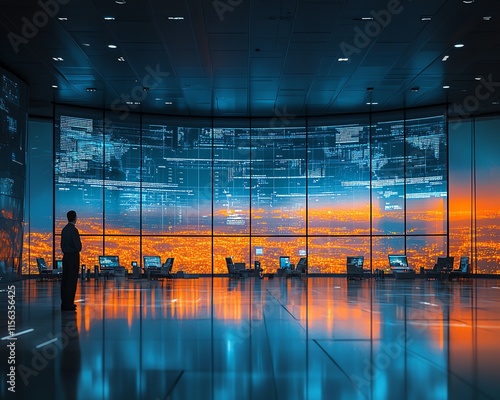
point(254, 57)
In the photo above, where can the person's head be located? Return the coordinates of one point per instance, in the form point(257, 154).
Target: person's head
point(71, 215)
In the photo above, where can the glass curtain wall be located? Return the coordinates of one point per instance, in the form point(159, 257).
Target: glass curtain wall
point(487, 191)
point(373, 185)
point(38, 227)
point(474, 174)
point(13, 125)
point(338, 171)
point(201, 190)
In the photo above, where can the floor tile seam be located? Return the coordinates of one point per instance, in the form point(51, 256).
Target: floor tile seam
point(174, 384)
point(351, 381)
point(283, 306)
point(269, 352)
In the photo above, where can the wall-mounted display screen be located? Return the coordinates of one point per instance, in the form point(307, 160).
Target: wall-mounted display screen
point(159, 177)
point(13, 118)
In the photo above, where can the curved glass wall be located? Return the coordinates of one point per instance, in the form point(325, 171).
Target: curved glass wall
point(13, 121)
point(201, 190)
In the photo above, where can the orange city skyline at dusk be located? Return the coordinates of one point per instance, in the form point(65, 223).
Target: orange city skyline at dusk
point(327, 247)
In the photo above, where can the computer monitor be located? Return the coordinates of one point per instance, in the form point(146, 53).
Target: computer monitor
point(152, 262)
point(259, 251)
point(464, 263)
point(446, 263)
point(41, 263)
point(285, 262)
point(356, 260)
point(398, 261)
point(108, 262)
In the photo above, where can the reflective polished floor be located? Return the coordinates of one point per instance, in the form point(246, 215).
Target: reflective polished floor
point(315, 338)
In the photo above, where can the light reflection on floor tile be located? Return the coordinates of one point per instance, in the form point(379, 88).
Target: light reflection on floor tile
point(320, 338)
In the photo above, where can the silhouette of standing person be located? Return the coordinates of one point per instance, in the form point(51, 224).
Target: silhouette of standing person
point(71, 245)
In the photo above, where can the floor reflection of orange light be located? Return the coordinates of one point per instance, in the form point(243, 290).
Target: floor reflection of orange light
point(153, 304)
point(86, 321)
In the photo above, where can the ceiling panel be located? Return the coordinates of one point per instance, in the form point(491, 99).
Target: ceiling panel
point(255, 55)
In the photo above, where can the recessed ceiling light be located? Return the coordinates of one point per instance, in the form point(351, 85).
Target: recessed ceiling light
point(112, 46)
point(415, 89)
point(120, 2)
point(121, 59)
point(62, 18)
point(445, 58)
point(91, 89)
point(109, 18)
point(495, 103)
point(86, 44)
point(446, 86)
point(426, 18)
point(468, 1)
point(135, 103)
point(487, 18)
point(373, 103)
point(168, 103)
point(176, 18)
point(459, 45)
point(54, 86)
point(343, 59)
point(58, 58)
point(477, 78)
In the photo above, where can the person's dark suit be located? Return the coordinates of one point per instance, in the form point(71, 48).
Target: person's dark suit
point(71, 246)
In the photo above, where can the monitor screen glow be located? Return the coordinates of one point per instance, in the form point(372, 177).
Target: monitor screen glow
point(398, 261)
point(284, 262)
point(109, 261)
point(259, 251)
point(152, 262)
point(357, 261)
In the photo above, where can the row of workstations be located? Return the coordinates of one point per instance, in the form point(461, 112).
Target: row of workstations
point(153, 268)
point(286, 268)
point(400, 268)
point(111, 266)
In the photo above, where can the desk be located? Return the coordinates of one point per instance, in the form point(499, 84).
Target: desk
point(282, 271)
point(115, 271)
point(404, 273)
